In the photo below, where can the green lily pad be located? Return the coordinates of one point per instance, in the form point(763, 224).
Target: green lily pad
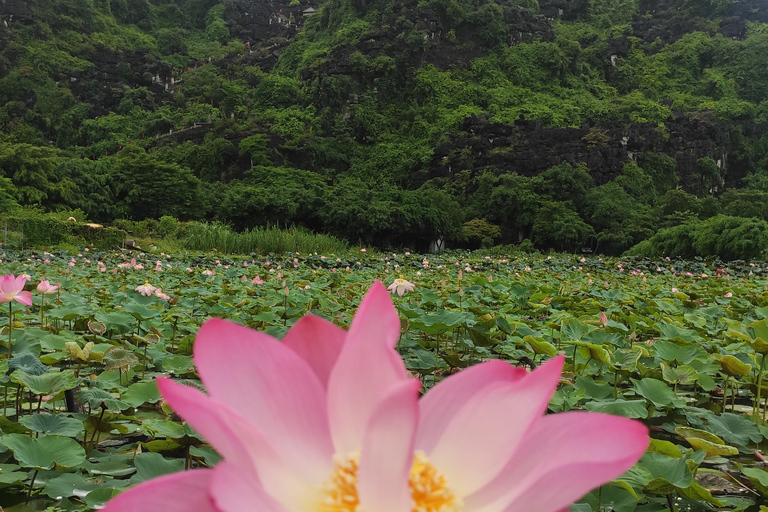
point(151, 465)
point(45, 452)
point(628, 408)
point(53, 424)
point(141, 393)
point(27, 363)
point(79, 486)
point(47, 383)
point(658, 392)
point(96, 398)
point(668, 473)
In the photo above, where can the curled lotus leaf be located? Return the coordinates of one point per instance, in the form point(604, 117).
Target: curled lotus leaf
point(682, 374)
point(733, 366)
point(79, 353)
point(97, 328)
point(541, 346)
point(760, 341)
point(121, 358)
point(703, 440)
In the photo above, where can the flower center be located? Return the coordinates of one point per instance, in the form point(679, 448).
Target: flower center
point(429, 488)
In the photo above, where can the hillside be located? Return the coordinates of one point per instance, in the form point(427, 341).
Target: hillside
point(581, 123)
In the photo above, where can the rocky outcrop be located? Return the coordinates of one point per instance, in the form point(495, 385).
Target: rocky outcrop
point(14, 10)
point(528, 148)
point(257, 21)
point(103, 84)
point(737, 14)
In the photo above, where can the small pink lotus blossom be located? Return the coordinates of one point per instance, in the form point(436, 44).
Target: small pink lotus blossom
point(257, 280)
point(603, 318)
point(46, 288)
point(675, 290)
point(583, 260)
point(208, 272)
point(12, 288)
point(145, 289)
point(728, 295)
point(159, 293)
point(400, 286)
point(330, 419)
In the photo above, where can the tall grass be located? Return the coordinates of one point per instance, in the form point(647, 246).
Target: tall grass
point(218, 237)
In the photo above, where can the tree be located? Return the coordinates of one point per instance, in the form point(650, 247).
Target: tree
point(31, 169)
point(558, 226)
point(273, 196)
point(745, 203)
point(481, 232)
point(513, 205)
point(256, 146)
point(662, 170)
point(148, 188)
point(565, 182)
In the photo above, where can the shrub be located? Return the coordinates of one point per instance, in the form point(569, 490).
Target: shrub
point(218, 237)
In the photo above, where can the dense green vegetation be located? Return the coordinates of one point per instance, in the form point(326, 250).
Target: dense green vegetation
point(134, 109)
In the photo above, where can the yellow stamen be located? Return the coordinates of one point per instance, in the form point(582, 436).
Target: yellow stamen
point(429, 488)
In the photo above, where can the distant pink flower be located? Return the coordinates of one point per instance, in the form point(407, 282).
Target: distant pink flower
point(208, 272)
point(728, 295)
point(145, 289)
point(675, 290)
point(159, 293)
point(46, 288)
point(257, 280)
point(329, 419)
point(12, 288)
point(400, 286)
point(362, 250)
point(583, 260)
point(603, 318)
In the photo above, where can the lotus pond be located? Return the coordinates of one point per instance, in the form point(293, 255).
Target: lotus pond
point(679, 345)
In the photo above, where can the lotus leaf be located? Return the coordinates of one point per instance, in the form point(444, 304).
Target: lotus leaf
point(45, 452)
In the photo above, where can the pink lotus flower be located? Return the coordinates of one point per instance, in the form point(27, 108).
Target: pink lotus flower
point(330, 420)
point(728, 295)
point(46, 288)
point(12, 288)
point(400, 286)
point(146, 289)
